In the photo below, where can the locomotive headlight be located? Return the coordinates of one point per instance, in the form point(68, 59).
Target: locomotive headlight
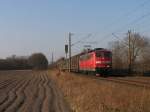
point(98, 62)
point(103, 62)
point(108, 66)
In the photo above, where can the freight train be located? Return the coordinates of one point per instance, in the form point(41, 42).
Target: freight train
point(97, 61)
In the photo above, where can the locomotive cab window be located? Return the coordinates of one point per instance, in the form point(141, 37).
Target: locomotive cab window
point(103, 54)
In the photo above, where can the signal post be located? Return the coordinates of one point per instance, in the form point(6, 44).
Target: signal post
point(69, 51)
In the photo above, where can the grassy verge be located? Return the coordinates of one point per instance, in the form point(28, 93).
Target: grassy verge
point(88, 95)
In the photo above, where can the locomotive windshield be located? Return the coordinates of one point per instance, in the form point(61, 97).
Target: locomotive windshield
point(103, 54)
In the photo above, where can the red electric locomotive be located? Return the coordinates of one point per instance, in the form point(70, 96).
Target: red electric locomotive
point(98, 61)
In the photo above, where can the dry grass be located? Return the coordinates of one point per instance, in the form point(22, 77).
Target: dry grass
point(87, 95)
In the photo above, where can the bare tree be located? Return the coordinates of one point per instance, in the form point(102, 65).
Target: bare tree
point(117, 55)
point(145, 58)
point(128, 51)
point(135, 44)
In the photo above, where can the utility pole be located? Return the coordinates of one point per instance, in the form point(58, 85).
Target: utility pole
point(52, 58)
point(70, 51)
point(129, 52)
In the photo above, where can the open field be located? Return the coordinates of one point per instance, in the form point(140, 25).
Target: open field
point(90, 95)
point(28, 91)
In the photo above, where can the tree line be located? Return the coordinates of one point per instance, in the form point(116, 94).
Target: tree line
point(37, 61)
point(132, 54)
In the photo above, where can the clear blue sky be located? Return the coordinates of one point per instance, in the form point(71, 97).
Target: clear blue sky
point(28, 26)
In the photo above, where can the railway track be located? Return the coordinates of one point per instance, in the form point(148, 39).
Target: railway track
point(130, 82)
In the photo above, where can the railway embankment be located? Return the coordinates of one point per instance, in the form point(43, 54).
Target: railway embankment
point(86, 94)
